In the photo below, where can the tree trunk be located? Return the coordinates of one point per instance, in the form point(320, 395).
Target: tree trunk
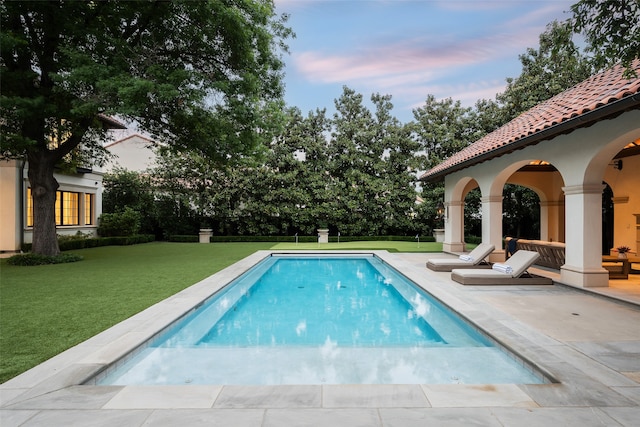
point(43, 190)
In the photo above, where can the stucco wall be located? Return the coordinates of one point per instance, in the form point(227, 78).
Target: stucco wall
point(9, 206)
point(134, 153)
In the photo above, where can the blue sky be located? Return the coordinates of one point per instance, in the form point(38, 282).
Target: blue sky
point(458, 49)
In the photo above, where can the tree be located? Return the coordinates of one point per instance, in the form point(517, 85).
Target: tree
point(198, 76)
point(371, 168)
point(521, 212)
point(397, 168)
point(611, 29)
point(442, 128)
point(554, 67)
point(128, 189)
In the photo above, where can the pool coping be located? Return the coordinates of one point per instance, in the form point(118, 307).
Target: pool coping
point(60, 378)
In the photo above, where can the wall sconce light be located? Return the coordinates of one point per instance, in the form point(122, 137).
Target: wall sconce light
point(440, 209)
point(617, 164)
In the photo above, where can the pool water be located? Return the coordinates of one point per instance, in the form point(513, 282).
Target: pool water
point(321, 320)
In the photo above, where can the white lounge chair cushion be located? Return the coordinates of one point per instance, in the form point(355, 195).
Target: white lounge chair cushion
point(477, 255)
point(522, 260)
point(449, 261)
point(519, 263)
point(481, 251)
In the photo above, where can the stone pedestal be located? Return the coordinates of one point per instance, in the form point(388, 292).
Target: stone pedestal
point(323, 235)
point(438, 233)
point(205, 235)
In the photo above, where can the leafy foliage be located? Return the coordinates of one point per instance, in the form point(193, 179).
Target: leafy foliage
point(31, 259)
point(199, 76)
point(521, 207)
point(555, 66)
point(353, 173)
point(125, 223)
point(611, 29)
point(443, 128)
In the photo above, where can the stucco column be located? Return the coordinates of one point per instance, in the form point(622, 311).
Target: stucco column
point(552, 220)
point(453, 227)
point(492, 225)
point(583, 265)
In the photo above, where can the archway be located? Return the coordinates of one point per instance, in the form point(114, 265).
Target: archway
point(520, 212)
point(620, 197)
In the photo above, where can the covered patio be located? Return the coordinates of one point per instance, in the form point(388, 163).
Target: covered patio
point(579, 152)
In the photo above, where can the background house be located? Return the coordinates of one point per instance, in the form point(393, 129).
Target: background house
point(79, 199)
point(133, 152)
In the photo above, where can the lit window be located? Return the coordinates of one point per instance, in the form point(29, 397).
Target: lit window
point(67, 208)
point(29, 208)
point(70, 208)
point(88, 208)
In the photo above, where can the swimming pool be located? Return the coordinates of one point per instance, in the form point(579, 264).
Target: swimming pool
point(320, 320)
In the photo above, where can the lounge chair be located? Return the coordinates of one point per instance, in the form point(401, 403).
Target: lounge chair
point(512, 272)
point(472, 260)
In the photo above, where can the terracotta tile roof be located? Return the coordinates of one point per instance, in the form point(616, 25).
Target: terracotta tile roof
point(560, 114)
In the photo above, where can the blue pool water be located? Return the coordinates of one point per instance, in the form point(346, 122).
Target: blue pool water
point(321, 320)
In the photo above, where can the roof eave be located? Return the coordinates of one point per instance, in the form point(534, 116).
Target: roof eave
point(110, 123)
point(583, 120)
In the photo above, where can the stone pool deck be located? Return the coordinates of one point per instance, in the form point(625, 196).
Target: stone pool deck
point(589, 342)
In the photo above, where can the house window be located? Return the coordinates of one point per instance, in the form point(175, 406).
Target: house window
point(88, 208)
point(29, 208)
point(70, 214)
point(67, 208)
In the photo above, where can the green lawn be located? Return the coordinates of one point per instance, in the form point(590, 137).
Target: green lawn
point(45, 310)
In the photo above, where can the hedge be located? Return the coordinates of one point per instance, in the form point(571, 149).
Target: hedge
point(93, 242)
point(301, 239)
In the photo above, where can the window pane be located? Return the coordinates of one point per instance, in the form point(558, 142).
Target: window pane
point(88, 208)
point(29, 208)
point(70, 208)
point(58, 207)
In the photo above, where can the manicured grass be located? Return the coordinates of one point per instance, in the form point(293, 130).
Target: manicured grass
point(47, 309)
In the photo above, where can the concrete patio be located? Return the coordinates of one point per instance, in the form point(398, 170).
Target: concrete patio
point(587, 340)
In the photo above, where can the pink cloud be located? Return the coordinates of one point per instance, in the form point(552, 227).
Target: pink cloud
point(409, 58)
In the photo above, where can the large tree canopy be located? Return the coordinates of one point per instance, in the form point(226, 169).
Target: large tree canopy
point(198, 76)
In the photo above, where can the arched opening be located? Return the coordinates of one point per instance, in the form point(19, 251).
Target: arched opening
point(520, 212)
point(533, 202)
point(473, 214)
point(620, 201)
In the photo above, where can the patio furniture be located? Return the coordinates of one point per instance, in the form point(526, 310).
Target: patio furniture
point(474, 259)
point(618, 268)
point(512, 272)
point(552, 254)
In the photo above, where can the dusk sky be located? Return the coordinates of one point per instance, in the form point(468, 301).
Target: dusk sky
point(409, 48)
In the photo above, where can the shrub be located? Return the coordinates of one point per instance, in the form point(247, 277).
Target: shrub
point(474, 240)
point(125, 223)
point(94, 242)
point(37, 259)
